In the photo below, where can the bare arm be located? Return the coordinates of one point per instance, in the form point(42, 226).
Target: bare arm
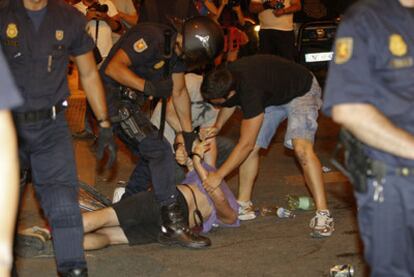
point(375, 130)
point(240, 15)
point(131, 19)
point(224, 211)
point(9, 187)
point(181, 101)
point(92, 85)
point(257, 7)
point(118, 70)
point(223, 116)
point(248, 134)
point(223, 3)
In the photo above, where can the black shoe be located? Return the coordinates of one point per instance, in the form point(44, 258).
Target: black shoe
point(174, 230)
point(75, 272)
point(83, 135)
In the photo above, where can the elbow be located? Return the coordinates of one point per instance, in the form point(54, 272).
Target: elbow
point(110, 70)
point(341, 115)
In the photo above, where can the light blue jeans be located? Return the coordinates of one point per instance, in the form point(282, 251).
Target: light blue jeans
point(301, 112)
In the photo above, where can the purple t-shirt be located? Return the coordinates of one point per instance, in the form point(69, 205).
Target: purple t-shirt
point(193, 178)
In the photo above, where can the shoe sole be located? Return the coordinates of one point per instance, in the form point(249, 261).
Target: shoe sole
point(171, 241)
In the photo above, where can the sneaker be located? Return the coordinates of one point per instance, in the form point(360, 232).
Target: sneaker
point(118, 193)
point(246, 210)
point(34, 242)
point(322, 224)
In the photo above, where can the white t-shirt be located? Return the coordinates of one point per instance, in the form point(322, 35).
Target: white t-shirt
point(269, 21)
point(104, 43)
point(203, 114)
point(127, 7)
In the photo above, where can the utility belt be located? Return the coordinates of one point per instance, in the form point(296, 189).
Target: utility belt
point(359, 167)
point(133, 121)
point(39, 115)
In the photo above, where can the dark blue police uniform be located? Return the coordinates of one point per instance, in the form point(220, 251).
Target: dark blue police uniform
point(374, 64)
point(37, 46)
point(9, 94)
point(144, 45)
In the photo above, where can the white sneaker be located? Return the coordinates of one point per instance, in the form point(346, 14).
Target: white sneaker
point(118, 192)
point(322, 224)
point(246, 210)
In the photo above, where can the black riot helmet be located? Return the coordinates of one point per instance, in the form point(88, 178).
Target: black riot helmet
point(203, 40)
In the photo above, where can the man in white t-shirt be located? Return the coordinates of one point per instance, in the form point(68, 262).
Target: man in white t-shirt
point(127, 14)
point(276, 34)
point(106, 19)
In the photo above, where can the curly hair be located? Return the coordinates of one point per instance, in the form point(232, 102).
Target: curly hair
point(217, 84)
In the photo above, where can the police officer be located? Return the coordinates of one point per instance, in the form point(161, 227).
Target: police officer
point(149, 59)
point(9, 166)
point(37, 41)
point(370, 92)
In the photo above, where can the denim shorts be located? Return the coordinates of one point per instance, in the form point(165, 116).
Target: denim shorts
point(301, 112)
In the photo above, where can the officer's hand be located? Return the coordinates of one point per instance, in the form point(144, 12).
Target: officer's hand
point(106, 140)
point(161, 88)
point(189, 138)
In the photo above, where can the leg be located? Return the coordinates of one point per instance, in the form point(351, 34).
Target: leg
point(98, 219)
point(302, 126)
point(247, 175)
point(312, 171)
point(285, 44)
point(55, 181)
point(386, 227)
point(265, 42)
point(249, 168)
point(104, 237)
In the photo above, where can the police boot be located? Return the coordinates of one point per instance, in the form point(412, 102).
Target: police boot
point(174, 229)
point(76, 272)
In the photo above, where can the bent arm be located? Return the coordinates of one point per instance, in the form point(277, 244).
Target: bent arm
point(248, 134)
point(224, 211)
point(92, 84)
point(375, 130)
point(223, 116)
point(9, 187)
point(118, 70)
point(181, 101)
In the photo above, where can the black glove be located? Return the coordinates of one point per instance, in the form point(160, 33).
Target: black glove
point(189, 138)
point(161, 88)
point(106, 139)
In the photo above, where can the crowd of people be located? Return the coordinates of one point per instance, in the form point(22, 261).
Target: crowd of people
point(185, 58)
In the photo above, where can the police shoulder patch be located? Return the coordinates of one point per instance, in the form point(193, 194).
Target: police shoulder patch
point(159, 64)
point(140, 45)
point(343, 49)
point(12, 30)
point(397, 45)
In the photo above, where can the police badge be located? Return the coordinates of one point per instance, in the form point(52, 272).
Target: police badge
point(12, 30)
point(397, 45)
point(59, 35)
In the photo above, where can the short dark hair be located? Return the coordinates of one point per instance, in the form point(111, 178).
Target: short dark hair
point(217, 84)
